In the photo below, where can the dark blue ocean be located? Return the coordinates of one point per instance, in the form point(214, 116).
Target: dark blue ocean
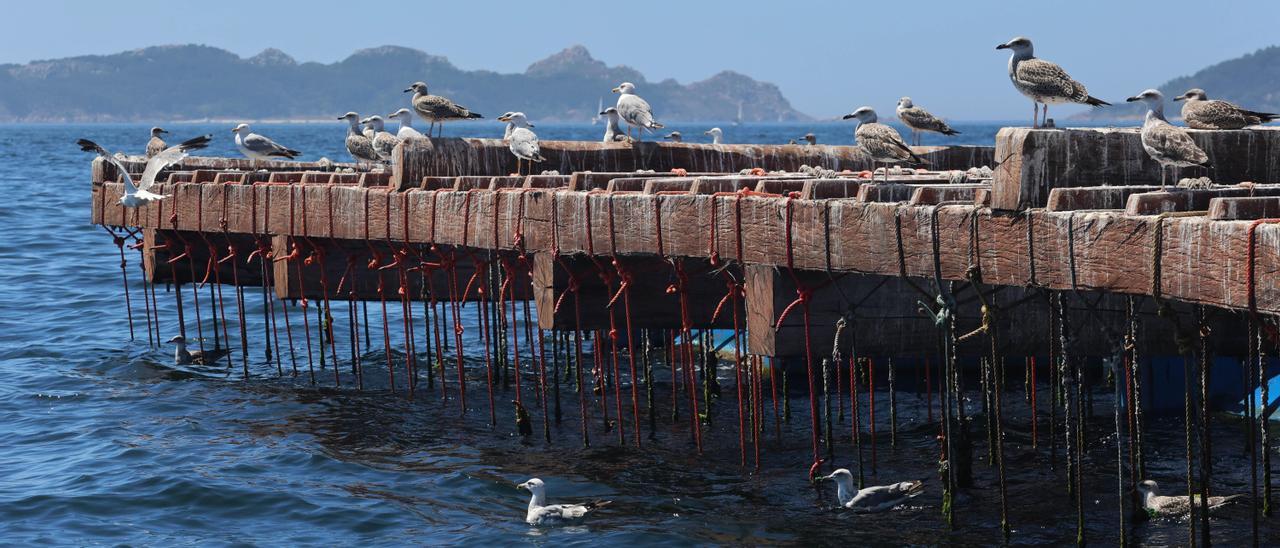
point(104, 442)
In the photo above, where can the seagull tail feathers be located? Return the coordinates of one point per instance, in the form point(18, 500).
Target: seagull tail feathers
point(474, 115)
point(656, 125)
point(1095, 102)
point(196, 143)
point(1263, 116)
point(539, 158)
point(597, 504)
point(950, 131)
point(288, 153)
point(915, 488)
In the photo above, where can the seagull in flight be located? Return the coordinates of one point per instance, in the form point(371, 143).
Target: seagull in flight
point(141, 194)
point(540, 513)
point(872, 499)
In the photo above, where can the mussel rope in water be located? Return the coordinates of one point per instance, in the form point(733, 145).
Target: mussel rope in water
point(893, 408)
point(826, 405)
point(1070, 378)
point(871, 409)
point(235, 280)
point(124, 276)
point(485, 320)
point(1252, 359)
point(856, 411)
point(556, 338)
point(646, 352)
point(146, 296)
point(1264, 429)
point(1206, 442)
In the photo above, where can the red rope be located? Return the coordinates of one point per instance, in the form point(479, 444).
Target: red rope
point(803, 295)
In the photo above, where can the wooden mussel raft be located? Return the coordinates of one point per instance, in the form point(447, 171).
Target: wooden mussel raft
point(1064, 246)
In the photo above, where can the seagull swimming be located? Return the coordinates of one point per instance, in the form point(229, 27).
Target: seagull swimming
point(1161, 505)
point(257, 147)
point(1200, 112)
point(542, 514)
point(882, 142)
point(717, 136)
point(635, 111)
point(182, 356)
point(1043, 82)
point(872, 499)
point(406, 131)
point(1169, 145)
point(141, 194)
point(522, 141)
point(156, 144)
point(437, 109)
point(674, 137)
point(384, 143)
point(360, 146)
point(612, 127)
point(810, 138)
point(919, 119)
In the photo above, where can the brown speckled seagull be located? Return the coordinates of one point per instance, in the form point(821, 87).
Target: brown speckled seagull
point(436, 109)
point(1169, 145)
point(919, 119)
point(1201, 112)
point(1043, 82)
point(881, 142)
point(156, 145)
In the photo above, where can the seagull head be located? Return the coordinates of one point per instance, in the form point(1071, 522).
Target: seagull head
point(375, 122)
point(1148, 487)
point(1193, 94)
point(239, 128)
point(351, 117)
point(534, 486)
point(864, 115)
point(674, 136)
point(516, 118)
point(1151, 97)
point(156, 131)
point(841, 476)
point(417, 87)
point(178, 339)
point(610, 112)
point(402, 114)
point(811, 138)
point(625, 88)
point(715, 132)
point(1019, 44)
point(905, 102)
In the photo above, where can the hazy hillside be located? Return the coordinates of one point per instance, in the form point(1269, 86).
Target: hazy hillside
point(1251, 81)
point(192, 82)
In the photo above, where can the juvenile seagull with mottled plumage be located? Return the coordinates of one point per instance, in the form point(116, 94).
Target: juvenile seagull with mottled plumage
point(156, 144)
point(635, 111)
point(1175, 505)
point(1201, 112)
point(881, 142)
point(1043, 82)
point(436, 109)
point(919, 119)
point(383, 141)
point(358, 144)
point(1169, 145)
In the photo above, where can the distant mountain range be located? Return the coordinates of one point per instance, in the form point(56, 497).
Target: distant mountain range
point(1251, 81)
point(195, 82)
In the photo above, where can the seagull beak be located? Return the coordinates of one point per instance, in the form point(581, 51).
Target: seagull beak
point(531, 124)
point(524, 486)
point(602, 113)
point(164, 131)
point(408, 90)
point(1180, 97)
point(1133, 99)
point(848, 117)
point(1002, 46)
point(617, 90)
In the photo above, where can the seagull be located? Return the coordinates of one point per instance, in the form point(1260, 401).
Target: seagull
point(383, 141)
point(717, 136)
point(919, 119)
point(141, 194)
point(182, 356)
point(882, 142)
point(635, 111)
point(674, 137)
point(810, 138)
point(542, 514)
point(1043, 82)
point(612, 127)
point(1200, 112)
point(872, 499)
point(406, 131)
point(437, 109)
point(257, 147)
point(360, 146)
point(522, 141)
point(156, 144)
point(506, 133)
point(1161, 505)
point(1167, 144)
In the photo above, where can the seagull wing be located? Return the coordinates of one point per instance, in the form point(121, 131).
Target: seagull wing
point(1215, 114)
point(361, 148)
point(90, 146)
point(921, 119)
point(884, 142)
point(884, 497)
point(1174, 144)
point(637, 112)
point(384, 143)
point(266, 147)
point(168, 157)
point(1047, 79)
point(524, 144)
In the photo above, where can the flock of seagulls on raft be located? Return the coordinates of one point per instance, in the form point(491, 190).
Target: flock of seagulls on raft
point(1044, 82)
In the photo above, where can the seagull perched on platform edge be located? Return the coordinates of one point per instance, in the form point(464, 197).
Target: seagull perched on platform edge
point(635, 111)
point(521, 140)
point(1168, 145)
point(257, 147)
point(881, 142)
point(155, 145)
point(540, 513)
point(437, 109)
point(1043, 82)
point(920, 120)
point(1201, 112)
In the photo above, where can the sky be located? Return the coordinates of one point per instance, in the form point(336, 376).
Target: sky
point(827, 57)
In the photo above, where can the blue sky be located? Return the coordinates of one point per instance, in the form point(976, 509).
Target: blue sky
point(828, 57)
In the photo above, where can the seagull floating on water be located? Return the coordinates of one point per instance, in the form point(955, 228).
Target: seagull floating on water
point(437, 109)
point(406, 131)
point(384, 143)
point(717, 136)
point(1200, 112)
point(635, 111)
point(612, 127)
point(1162, 505)
point(521, 140)
point(674, 137)
point(182, 356)
point(156, 144)
point(1043, 82)
point(135, 196)
point(882, 143)
point(919, 119)
point(257, 147)
point(360, 146)
point(872, 499)
point(540, 513)
point(1169, 145)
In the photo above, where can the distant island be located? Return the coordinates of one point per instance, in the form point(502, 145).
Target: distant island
point(196, 82)
point(1251, 81)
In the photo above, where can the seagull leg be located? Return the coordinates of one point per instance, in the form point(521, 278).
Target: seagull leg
point(1035, 113)
point(1044, 118)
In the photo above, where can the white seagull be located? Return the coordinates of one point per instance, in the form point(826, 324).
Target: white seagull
point(522, 141)
point(406, 131)
point(141, 194)
point(635, 111)
point(882, 143)
point(872, 499)
point(613, 125)
point(1043, 82)
point(360, 146)
point(540, 513)
point(1162, 505)
point(717, 136)
point(257, 147)
point(1169, 145)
